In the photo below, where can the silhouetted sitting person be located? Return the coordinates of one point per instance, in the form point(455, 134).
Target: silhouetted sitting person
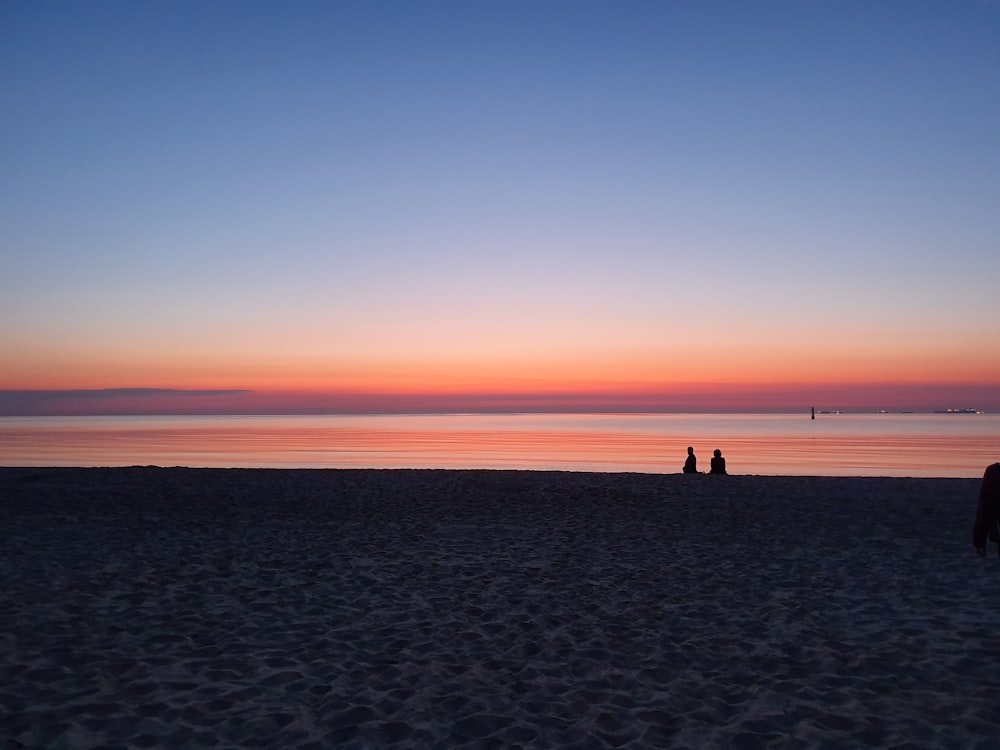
point(691, 463)
point(718, 463)
point(988, 511)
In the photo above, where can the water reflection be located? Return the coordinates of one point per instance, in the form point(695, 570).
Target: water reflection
point(860, 445)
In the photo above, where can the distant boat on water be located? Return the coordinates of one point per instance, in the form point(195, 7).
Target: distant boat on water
point(958, 411)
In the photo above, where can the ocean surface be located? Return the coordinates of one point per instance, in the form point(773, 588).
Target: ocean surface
point(898, 445)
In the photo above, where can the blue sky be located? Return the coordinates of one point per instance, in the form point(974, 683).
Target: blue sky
point(364, 189)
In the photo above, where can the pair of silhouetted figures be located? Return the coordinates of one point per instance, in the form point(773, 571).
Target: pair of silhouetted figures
point(691, 463)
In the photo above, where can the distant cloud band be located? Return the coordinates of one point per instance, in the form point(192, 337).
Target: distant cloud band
point(118, 393)
point(70, 402)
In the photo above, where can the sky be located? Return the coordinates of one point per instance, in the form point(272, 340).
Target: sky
point(293, 207)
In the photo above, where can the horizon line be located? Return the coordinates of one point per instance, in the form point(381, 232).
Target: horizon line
point(735, 399)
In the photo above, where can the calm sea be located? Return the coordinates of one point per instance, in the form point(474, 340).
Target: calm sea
point(915, 445)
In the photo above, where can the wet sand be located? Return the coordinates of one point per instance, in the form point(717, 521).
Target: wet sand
point(199, 608)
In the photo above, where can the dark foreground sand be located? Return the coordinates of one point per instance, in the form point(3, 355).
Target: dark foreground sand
point(363, 609)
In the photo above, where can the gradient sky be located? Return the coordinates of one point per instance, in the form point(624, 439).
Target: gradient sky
point(499, 205)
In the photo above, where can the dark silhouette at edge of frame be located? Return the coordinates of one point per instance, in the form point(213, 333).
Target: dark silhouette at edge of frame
point(691, 462)
point(718, 463)
point(987, 526)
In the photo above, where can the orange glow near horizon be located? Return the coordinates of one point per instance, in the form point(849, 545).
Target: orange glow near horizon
point(591, 374)
point(627, 373)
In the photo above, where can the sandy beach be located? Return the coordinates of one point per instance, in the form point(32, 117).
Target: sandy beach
point(202, 608)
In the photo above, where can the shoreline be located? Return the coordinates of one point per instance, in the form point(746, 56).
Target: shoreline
point(772, 445)
point(351, 608)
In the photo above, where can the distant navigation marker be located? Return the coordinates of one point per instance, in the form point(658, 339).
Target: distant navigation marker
point(814, 412)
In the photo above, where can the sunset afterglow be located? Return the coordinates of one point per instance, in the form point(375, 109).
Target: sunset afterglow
point(430, 207)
